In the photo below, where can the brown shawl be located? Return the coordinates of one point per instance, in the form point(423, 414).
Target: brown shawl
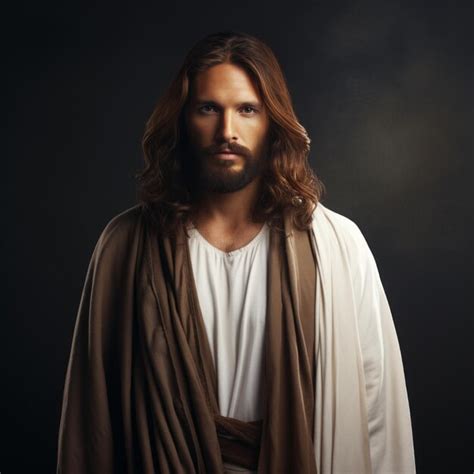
point(140, 393)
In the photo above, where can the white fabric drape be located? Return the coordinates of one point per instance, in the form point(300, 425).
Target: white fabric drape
point(362, 417)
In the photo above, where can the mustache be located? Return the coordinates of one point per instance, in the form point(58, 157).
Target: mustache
point(230, 147)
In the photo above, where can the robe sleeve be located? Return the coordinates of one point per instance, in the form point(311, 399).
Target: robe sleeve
point(389, 421)
point(89, 442)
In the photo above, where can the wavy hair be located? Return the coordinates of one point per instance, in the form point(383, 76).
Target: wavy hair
point(288, 182)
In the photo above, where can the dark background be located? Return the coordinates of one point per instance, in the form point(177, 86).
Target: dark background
point(383, 88)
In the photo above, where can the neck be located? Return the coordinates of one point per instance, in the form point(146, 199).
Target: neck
point(228, 210)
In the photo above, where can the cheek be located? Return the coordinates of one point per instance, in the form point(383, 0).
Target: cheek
point(201, 131)
point(257, 134)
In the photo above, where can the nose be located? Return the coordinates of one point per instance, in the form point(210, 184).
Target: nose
point(226, 128)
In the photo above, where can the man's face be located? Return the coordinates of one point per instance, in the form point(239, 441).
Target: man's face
point(226, 113)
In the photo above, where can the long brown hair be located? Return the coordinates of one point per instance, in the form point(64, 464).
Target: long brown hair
point(288, 182)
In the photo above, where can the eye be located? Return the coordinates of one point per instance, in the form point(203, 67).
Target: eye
point(248, 109)
point(207, 108)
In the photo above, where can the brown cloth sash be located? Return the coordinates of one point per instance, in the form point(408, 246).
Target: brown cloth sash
point(244, 445)
point(141, 392)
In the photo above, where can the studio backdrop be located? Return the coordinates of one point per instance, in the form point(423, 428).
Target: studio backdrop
point(384, 90)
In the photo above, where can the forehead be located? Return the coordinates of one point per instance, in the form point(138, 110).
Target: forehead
point(224, 83)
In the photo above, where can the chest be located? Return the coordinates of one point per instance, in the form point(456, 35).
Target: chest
point(231, 286)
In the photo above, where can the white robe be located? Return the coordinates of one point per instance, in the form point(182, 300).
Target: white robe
point(362, 417)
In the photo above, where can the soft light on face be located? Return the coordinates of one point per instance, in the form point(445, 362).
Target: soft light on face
point(225, 113)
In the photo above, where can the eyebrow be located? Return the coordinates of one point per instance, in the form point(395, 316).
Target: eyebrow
point(250, 103)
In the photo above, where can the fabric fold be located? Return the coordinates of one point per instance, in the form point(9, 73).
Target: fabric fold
point(140, 393)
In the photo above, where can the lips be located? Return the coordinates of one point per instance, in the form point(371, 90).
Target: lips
point(226, 155)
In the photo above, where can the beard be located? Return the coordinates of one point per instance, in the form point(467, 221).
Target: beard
point(210, 174)
point(222, 178)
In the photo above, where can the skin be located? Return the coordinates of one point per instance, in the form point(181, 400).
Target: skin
point(226, 111)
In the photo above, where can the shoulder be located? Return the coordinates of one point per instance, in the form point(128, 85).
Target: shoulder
point(341, 242)
point(333, 225)
point(121, 231)
point(122, 223)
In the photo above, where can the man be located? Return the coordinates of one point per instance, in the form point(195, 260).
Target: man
point(230, 322)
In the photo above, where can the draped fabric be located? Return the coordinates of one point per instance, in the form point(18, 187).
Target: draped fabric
point(140, 392)
point(362, 415)
point(289, 355)
point(125, 406)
